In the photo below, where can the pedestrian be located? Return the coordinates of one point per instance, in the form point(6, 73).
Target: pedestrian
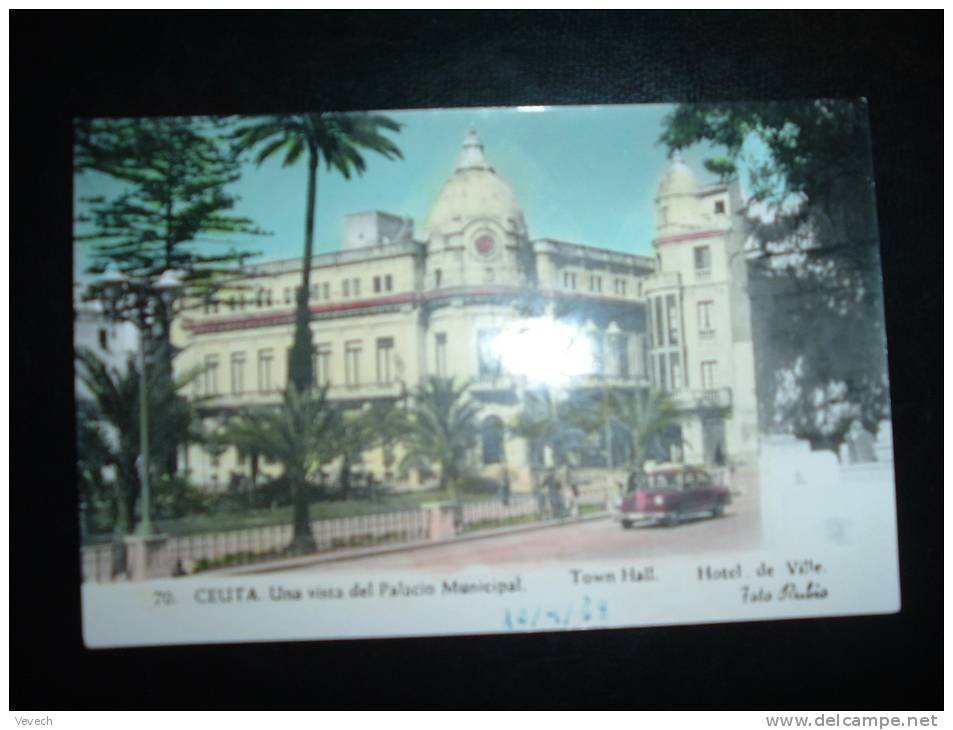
point(573, 499)
point(569, 491)
point(551, 482)
point(540, 495)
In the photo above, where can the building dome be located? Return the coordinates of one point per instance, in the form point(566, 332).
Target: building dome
point(678, 179)
point(474, 192)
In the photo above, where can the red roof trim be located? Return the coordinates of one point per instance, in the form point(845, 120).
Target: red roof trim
point(689, 237)
point(287, 316)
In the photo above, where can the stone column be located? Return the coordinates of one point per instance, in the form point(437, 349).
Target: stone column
point(442, 518)
point(147, 557)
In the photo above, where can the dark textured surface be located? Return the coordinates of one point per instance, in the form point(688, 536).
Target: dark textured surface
point(66, 65)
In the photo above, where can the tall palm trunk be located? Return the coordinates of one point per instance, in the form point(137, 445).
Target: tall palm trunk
point(302, 540)
point(301, 374)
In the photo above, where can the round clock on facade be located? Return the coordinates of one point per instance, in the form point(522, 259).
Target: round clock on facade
point(485, 245)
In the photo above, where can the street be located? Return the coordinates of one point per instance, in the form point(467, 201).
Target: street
point(590, 540)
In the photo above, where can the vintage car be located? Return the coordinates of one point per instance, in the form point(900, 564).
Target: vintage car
point(670, 494)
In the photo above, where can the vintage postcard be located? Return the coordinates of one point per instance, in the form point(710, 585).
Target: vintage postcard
point(412, 373)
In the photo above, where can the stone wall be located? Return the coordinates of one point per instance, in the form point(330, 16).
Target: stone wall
point(812, 497)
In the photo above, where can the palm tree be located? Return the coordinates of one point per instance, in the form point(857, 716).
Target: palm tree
point(560, 425)
point(593, 413)
point(441, 428)
point(94, 457)
point(301, 434)
point(338, 139)
point(377, 425)
point(644, 416)
point(115, 409)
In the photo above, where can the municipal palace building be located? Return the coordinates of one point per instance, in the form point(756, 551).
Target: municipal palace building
point(468, 297)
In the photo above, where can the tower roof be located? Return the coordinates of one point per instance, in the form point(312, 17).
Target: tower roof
point(678, 179)
point(474, 191)
point(471, 154)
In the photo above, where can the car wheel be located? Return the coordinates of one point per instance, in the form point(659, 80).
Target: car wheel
point(673, 519)
point(626, 524)
point(719, 510)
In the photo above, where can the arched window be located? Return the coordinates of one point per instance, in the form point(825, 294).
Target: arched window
point(492, 438)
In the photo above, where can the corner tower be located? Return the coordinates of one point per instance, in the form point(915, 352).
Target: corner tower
point(699, 315)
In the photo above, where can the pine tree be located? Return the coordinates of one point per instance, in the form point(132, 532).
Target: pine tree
point(174, 211)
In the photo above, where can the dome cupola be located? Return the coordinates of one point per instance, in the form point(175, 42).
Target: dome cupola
point(678, 179)
point(474, 192)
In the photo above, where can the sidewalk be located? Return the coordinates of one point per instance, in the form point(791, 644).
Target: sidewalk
point(357, 553)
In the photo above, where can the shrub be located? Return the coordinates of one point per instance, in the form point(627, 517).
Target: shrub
point(175, 496)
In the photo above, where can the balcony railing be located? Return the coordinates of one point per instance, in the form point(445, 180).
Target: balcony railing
point(695, 400)
point(273, 396)
point(601, 380)
point(493, 381)
point(662, 280)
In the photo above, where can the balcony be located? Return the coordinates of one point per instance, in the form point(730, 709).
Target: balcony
point(364, 391)
point(662, 281)
point(702, 400)
point(596, 380)
point(248, 398)
point(493, 382)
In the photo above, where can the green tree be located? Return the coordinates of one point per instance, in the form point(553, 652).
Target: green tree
point(441, 428)
point(561, 425)
point(593, 413)
point(643, 415)
point(814, 260)
point(378, 425)
point(174, 211)
point(108, 428)
point(339, 140)
point(302, 433)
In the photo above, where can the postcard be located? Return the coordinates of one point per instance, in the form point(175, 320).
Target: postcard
point(470, 371)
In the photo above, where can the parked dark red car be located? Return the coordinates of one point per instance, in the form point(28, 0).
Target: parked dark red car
point(671, 494)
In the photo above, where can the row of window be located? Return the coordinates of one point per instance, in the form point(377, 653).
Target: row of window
point(620, 287)
point(489, 276)
point(209, 382)
point(610, 357)
point(719, 209)
point(663, 311)
point(265, 297)
point(668, 372)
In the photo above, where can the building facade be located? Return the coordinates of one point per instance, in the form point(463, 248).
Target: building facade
point(115, 343)
point(391, 308)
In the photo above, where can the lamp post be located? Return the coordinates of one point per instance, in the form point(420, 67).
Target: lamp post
point(133, 299)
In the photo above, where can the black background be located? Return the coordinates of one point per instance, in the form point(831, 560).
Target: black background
point(66, 65)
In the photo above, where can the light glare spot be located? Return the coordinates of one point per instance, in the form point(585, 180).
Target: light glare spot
point(544, 351)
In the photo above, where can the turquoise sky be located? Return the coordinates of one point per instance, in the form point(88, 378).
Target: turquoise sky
point(582, 174)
